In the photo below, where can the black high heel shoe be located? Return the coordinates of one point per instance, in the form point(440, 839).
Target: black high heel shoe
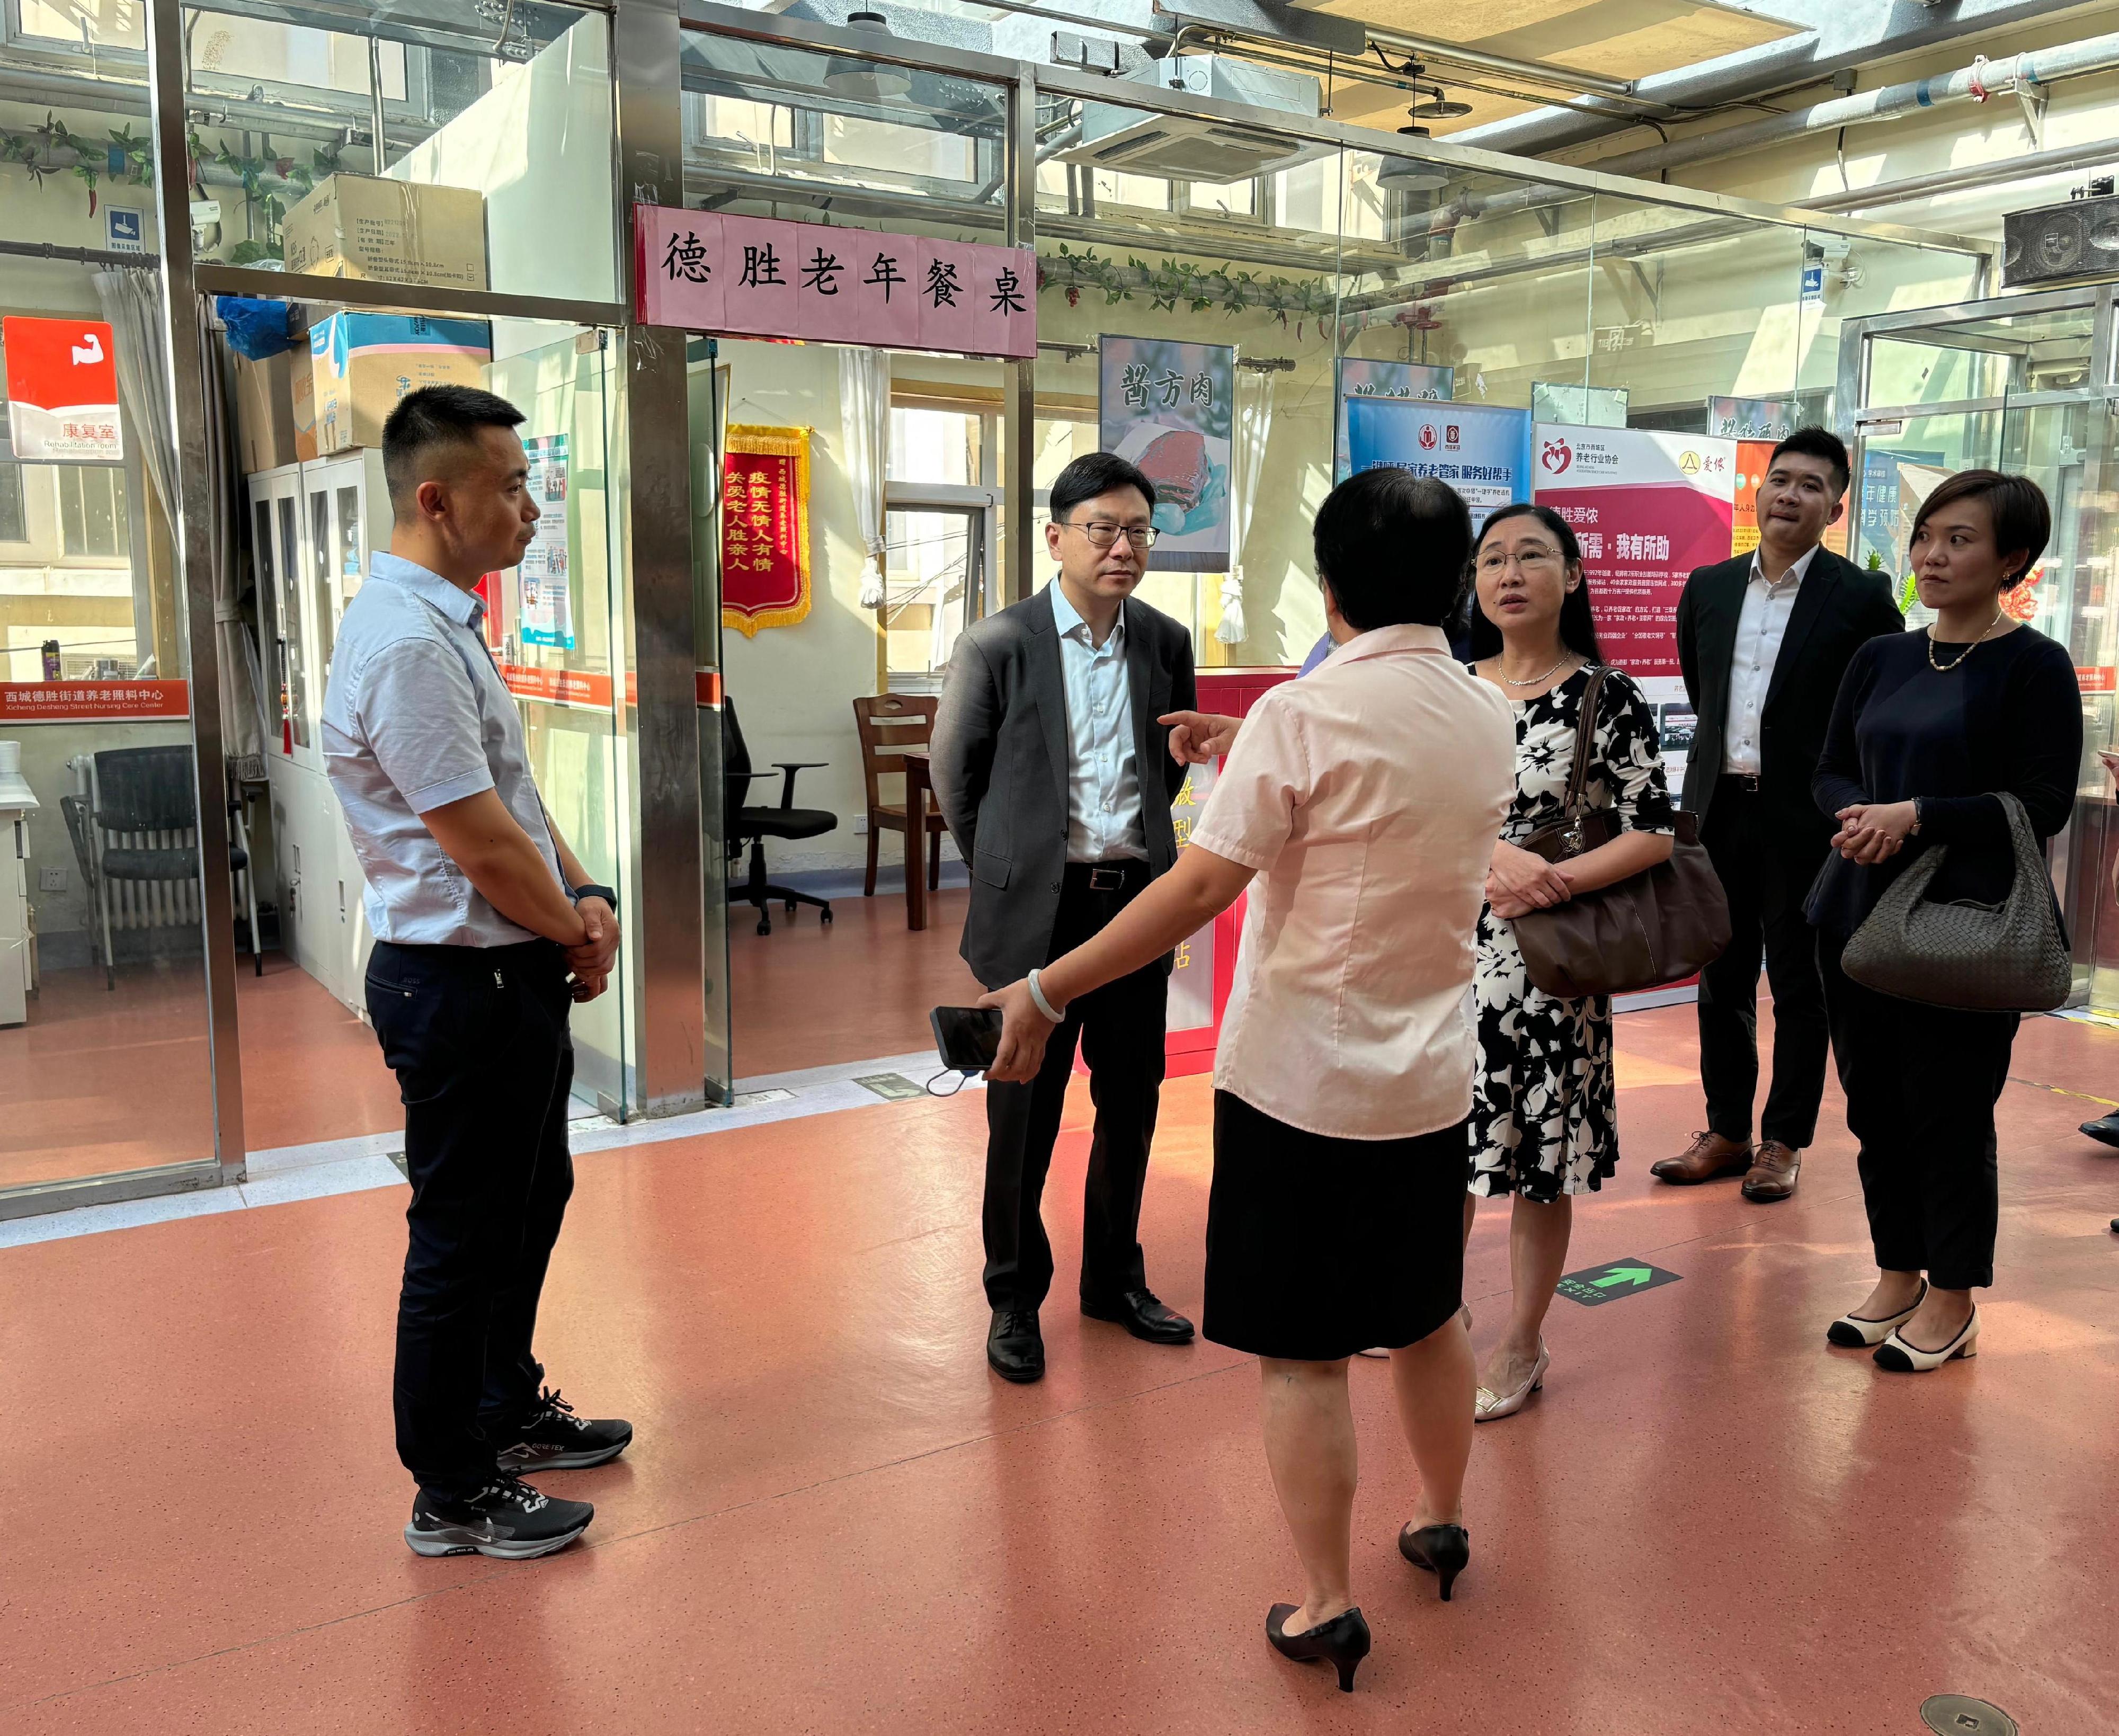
point(1342, 1641)
point(1441, 1550)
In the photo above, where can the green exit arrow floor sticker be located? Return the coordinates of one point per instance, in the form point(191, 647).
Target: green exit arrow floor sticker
point(1595, 1285)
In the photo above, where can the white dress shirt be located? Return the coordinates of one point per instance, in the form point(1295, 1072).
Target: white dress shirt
point(1759, 629)
point(1367, 798)
point(1105, 820)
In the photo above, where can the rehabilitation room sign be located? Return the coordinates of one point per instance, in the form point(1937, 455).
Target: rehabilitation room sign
point(63, 389)
point(765, 528)
point(764, 277)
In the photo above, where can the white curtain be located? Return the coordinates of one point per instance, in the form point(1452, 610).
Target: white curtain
point(865, 422)
point(1253, 426)
point(132, 300)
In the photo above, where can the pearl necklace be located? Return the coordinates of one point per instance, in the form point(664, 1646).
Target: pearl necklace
point(1535, 680)
point(1944, 669)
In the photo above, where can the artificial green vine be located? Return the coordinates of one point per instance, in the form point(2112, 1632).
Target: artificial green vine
point(1170, 282)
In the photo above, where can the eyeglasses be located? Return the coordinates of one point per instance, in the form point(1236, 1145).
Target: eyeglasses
point(1102, 533)
point(1493, 561)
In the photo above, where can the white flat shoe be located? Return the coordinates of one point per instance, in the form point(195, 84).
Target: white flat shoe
point(1489, 1405)
point(1901, 1357)
point(1854, 1331)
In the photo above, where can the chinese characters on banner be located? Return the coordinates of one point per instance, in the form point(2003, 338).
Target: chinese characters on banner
point(1404, 382)
point(62, 388)
point(761, 277)
point(1169, 408)
point(548, 597)
point(765, 528)
point(1646, 508)
point(1477, 449)
point(93, 702)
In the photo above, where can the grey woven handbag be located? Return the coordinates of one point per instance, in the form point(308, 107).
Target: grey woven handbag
point(2005, 957)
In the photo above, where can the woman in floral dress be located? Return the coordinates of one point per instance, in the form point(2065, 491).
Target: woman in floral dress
point(1543, 1124)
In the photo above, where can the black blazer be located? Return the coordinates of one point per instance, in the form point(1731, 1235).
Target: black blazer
point(1001, 759)
point(1838, 608)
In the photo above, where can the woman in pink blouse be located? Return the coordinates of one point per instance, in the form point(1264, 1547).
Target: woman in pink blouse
point(1359, 807)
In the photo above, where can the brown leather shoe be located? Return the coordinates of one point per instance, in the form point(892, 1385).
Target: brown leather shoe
point(1772, 1172)
point(1709, 1156)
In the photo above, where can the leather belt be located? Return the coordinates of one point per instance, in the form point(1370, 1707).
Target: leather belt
point(1105, 876)
point(1747, 781)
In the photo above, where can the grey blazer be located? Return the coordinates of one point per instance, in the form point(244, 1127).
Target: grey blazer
point(1001, 759)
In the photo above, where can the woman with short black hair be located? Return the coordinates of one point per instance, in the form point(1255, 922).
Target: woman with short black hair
point(1930, 726)
point(1359, 809)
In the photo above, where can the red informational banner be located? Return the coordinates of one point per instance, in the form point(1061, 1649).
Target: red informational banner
point(764, 277)
point(1647, 508)
point(61, 388)
point(94, 702)
point(765, 528)
point(559, 686)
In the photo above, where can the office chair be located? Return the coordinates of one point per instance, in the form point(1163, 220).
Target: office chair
point(136, 833)
point(755, 825)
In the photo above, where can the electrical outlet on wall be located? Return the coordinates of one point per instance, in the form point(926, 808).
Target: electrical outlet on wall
point(51, 879)
point(860, 825)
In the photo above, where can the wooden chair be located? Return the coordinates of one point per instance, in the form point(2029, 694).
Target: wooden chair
point(890, 723)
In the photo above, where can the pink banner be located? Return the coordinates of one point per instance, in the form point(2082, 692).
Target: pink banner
point(766, 278)
point(1647, 508)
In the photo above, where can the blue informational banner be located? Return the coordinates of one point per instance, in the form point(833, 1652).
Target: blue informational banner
point(1481, 451)
point(1407, 382)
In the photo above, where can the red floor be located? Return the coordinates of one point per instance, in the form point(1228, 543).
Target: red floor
point(104, 1079)
point(836, 1520)
point(809, 995)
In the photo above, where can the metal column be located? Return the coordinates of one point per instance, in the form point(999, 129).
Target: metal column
point(651, 475)
point(1019, 425)
point(180, 326)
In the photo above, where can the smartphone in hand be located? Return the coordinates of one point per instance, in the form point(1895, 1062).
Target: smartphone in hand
point(967, 1038)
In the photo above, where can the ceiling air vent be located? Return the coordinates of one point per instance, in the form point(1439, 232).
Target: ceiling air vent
point(1190, 147)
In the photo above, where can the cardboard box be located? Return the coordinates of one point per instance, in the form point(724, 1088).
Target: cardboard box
point(265, 409)
point(302, 395)
point(357, 225)
point(363, 363)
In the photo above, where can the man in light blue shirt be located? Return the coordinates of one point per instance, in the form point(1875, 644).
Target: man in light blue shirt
point(487, 929)
point(1051, 773)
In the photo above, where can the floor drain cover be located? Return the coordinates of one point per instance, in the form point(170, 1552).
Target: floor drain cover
point(1959, 1715)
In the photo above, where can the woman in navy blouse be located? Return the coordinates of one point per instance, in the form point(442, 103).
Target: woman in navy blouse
point(1928, 726)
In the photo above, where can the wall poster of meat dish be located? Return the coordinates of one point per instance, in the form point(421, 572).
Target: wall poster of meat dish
point(1169, 408)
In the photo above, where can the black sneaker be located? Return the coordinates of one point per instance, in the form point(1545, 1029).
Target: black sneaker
point(554, 1439)
point(507, 1519)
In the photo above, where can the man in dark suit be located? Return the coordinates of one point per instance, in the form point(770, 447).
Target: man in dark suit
point(1764, 640)
point(1051, 772)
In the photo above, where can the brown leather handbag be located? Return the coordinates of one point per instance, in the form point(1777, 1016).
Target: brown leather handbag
point(1661, 925)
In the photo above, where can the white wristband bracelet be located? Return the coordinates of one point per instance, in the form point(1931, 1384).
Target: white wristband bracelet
point(1044, 1006)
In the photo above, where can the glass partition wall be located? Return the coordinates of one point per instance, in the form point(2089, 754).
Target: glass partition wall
point(2023, 383)
point(1277, 255)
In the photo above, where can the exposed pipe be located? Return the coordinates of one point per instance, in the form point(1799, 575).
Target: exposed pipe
point(2022, 73)
point(2097, 153)
point(1533, 71)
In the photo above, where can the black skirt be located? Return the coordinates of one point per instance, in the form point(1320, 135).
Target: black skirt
point(1318, 1247)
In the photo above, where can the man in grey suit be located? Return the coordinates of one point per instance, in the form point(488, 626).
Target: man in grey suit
point(1052, 772)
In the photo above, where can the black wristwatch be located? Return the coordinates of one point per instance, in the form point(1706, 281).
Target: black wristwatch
point(590, 890)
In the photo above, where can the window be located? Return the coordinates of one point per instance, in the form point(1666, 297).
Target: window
point(14, 520)
point(92, 510)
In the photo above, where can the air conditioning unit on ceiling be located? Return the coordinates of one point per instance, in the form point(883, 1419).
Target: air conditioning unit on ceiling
point(1188, 147)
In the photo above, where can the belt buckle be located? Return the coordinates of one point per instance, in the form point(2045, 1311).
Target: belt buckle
point(1106, 880)
point(1750, 782)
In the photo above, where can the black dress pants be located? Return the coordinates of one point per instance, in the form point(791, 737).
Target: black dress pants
point(478, 1039)
point(1766, 874)
point(1121, 1027)
point(1921, 1083)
